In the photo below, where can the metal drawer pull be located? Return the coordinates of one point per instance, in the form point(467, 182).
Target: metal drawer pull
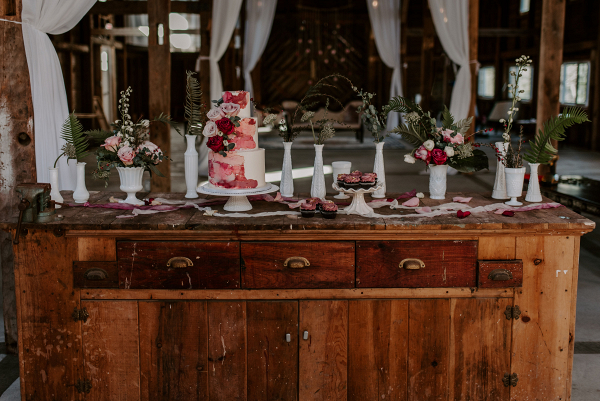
point(296, 262)
point(95, 274)
point(412, 264)
point(305, 335)
point(179, 262)
point(500, 275)
point(288, 338)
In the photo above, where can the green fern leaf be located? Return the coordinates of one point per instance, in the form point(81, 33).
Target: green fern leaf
point(401, 105)
point(409, 135)
point(72, 133)
point(193, 100)
point(447, 119)
point(166, 119)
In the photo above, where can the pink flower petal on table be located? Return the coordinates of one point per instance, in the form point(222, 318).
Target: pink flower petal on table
point(424, 209)
point(413, 202)
point(461, 199)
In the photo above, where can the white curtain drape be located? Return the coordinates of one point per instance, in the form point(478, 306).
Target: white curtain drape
point(451, 21)
point(50, 108)
point(259, 19)
point(385, 21)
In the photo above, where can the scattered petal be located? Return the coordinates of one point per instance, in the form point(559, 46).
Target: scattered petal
point(209, 212)
point(461, 215)
point(461, 199)
point(112, 199)
point(424, 209)
point(420, 195)
point(508, 213)
point(412, 202)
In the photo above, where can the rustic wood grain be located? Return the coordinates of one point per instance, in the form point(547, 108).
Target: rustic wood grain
point(143, 264)
point(573, 315)
point(323, 372)
point(111, 350)
point(428, 349)
point(378, 350)
point(331, 265)
point(227, 351)
point(496, 248)
point(174, 351)
point(96, 249)
point(447, 263)
point(81, 279)
point(485, 267)
point(272, 361)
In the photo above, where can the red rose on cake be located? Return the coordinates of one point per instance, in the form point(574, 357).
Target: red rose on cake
point(225, 126)
point(215, 143)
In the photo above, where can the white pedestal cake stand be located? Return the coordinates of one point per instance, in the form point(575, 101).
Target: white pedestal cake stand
point(358, 205)
point(238, 201)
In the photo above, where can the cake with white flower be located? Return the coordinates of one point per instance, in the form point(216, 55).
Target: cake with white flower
point(234, 160)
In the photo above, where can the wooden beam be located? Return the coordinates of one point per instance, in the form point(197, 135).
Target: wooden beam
point(204, 73)
point(473, 55)
point(594, 139)
point(133, 31)
point(485, 32)
point(427, 68)
point(141, 7)
point(159, 75)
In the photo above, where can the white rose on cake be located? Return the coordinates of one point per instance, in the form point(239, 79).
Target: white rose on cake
point(210, 129)
point(215, 114)
point(230, 109)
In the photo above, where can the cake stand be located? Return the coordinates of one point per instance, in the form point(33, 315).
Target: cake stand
point(238, 201)
point(358, 205)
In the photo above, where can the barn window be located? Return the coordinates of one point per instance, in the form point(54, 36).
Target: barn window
point(574, 83)
point(486, 82)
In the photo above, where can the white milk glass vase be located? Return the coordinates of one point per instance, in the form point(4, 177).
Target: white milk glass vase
point(191, 167)
point(437, 181)
point(286, 186)
point(379, 169)
point(317, 188)
point(81, 194)
point(514, 184)
point(533, 188)
point(499, 191)
point(54, 192)
point(131, 182)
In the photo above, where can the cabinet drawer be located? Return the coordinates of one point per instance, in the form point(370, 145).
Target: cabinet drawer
point(500, 273)
point(298, 265)
point(427, 264)
point(178, 265)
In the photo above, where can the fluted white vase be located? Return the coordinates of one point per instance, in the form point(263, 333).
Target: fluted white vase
point(54, 191)
point(514, 184)
point(379, 169)
point(287, 179)
point(81, 194)
point(131, 182)
point(499, 191)
point(191, 167)
point(533, 188)
point(437, 181)
point(317, 188)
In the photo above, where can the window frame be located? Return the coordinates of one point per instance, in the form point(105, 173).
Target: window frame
point(493, 67)
point(561, 83)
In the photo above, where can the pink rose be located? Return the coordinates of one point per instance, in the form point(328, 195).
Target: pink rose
point(151, 150)
point(458, 139)
point(423, 154)
point(112, 143)
point(227, 97)
point(230, 109)
point(446, 134)
point(126, 154)
point(210, 129)
point(215, 114)
point(438, 156)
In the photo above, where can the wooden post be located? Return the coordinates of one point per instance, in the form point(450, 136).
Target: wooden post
point(473, 44)
point(594, 138)
point(404, 42)
point(204, 73)
point(551, 54)
point(159, 74)
point(427, 57)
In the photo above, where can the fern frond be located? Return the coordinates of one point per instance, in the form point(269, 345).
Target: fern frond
point(72, 133)
point(193, 100)
point(464, 125)
point(447, 118)
point(166, 119)
point(401, 105)
point(409, 135)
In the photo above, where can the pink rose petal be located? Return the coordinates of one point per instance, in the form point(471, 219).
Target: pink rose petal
point(424, 209)
point(461, 215)
point(461, 199)
point(413, 202)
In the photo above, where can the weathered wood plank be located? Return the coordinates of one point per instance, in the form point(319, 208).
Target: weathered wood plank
point(496, 248)
point(96, 249)
point(573, 315)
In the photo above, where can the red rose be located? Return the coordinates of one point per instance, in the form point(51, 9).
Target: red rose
point(227, 97)
point(225, 126)
point(438, 156)
point(215, 143)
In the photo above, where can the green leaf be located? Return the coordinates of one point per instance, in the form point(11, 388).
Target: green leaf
point(463, 125)
point(230, 146)
point(402, 105)
point(193, 105)
point(72, 133)
point(447, 119)
point(478, 161)
point(166, 119)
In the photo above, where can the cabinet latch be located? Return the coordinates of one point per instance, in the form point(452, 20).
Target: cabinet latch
point(80, 314)
point(510, 380)
point(512, 312)
point(83, 386)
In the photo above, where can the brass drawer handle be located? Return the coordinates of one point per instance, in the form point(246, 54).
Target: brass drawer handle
point(296, 262)
point(412, 264)
point(500, 275)
point(95, 274)
point(179, 262)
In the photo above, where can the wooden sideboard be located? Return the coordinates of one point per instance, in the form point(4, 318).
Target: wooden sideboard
point(182, 306)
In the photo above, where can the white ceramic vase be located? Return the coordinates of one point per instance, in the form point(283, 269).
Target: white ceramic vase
point(379, 169)
point(81, 194)
point(131, 182)
point(191, 167)
point(514, 184)
point(437, 181)
point(499, 191)
point(287, 179)
point(533, 188)
point(54, 191)
point(317, 188)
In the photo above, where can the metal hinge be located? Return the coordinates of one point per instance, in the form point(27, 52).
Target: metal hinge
point(80, 314)
point(510, 380)
point(512, 312)
point(83, 386)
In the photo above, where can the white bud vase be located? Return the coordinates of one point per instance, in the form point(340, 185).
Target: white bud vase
point(81, 194)
point(317, 188)
point(499, 191)
point(437, 181)
point(514, 184)
point(191, 167)
point(379, 169)
point(287, 179)
point(54, 191)
point(533, 189)
point(131, 182)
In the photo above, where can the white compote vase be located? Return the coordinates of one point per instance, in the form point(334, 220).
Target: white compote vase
point(514, 184)
point(533, 188)
point(437, 181)
point(379, 169)
point(54, 191)
point(499, 191)
point(317, 188)
point(286, 186)
point(191, 167)
point(131, 182)
point(81, 194)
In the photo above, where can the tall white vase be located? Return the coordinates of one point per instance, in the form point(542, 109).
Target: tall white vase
point(317, 188)
point(437, 181)
point(191, 167)
point(533, 188)
point(514, 184)
point(499, 191)
point(287, 179)
point(81, 194)
point(131, 182)
point(379, 169)
point(54, 191)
